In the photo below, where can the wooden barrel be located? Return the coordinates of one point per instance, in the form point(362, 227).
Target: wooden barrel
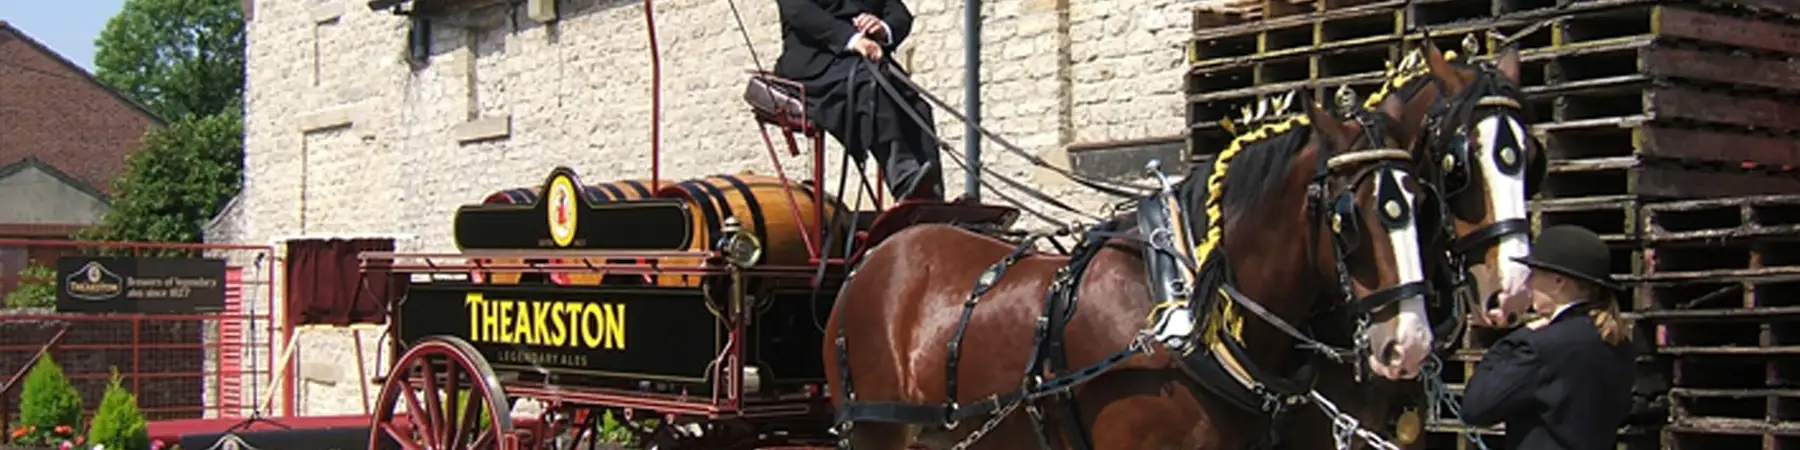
point(617, 191)
point(622, 190)
point(760, 204)
point(514, 196)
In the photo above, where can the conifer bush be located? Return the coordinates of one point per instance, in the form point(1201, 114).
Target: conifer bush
point(119, 424)
point(49, 406)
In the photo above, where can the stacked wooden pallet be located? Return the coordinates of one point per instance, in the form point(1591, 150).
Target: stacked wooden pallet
point(1282, 47)
point(1719, 296)
point(1663, 119)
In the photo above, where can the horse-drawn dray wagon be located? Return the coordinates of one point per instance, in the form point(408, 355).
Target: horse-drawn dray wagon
point(734, 310)
point(696, 303)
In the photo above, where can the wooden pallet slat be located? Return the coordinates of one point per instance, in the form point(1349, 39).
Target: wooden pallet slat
point(1697, 106)
point(1716, 146)
point(1286, 36)
point(1681, 22)
point(1224, 13)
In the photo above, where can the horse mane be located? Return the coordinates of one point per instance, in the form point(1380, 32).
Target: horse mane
point(1256, 166)
point(1409, 78)
point(1407, 84)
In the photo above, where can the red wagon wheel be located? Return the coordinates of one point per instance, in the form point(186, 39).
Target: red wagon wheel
point(451, 397)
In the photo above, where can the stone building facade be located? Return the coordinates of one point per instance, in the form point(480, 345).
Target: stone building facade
point(348, 133)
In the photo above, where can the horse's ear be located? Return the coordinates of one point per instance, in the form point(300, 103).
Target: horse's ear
point(1393, 107)
point(1323, 120)
point(1508, 63)
point(1439, 64)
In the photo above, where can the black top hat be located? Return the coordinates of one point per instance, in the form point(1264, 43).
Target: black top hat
point(1574, 252)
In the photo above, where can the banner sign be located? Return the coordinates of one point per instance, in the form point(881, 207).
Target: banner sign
point(641, 333)
point(95, 284)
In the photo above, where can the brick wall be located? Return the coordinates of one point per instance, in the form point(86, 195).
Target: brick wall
point(53, 110)
point(346, 136)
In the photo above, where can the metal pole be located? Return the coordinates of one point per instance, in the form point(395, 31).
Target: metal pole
point(972, 98)
point(655, 97)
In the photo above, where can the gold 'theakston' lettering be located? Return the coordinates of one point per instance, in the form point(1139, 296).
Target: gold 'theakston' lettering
point(596, 325)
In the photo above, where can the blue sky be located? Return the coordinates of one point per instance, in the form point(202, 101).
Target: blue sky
point(67, 26)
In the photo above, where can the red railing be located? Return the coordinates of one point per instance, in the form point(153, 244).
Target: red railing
point(179, 366)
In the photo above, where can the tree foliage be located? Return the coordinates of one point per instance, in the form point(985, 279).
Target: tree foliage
point(177, 57)
point(184, 59)
point(37, 288)
point(181, 177)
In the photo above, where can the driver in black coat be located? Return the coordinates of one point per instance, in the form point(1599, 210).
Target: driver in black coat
point(1563, 381)
point(822, 43)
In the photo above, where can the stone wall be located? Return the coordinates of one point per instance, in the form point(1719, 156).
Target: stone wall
point(348, 135)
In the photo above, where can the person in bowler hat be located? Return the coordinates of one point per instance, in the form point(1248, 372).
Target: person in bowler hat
point(1563, 381)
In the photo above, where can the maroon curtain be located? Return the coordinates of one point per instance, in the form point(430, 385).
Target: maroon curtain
point(327, 286)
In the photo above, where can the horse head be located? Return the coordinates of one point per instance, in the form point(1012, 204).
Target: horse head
point(1350, 194)
point(1372, 203)
point(1473, 143)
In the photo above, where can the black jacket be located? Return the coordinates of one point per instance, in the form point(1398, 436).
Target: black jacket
point(814, 33)
point(1559, 387)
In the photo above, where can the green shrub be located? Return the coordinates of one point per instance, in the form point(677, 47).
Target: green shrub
point(37, 288)
point(118, 424)
point(48, 402)
point(615, 431)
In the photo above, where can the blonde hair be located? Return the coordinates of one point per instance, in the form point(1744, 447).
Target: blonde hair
point(1613, 328)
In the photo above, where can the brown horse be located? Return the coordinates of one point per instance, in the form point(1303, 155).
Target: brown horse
point(1473, 143)
point(926, 347)
point(1465, 116)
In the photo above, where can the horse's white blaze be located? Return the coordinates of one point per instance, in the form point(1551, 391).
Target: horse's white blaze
point(1410, 331)
point(1506, 199)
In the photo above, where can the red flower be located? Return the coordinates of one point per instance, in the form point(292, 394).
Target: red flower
point(64, 429)
point(20, 432)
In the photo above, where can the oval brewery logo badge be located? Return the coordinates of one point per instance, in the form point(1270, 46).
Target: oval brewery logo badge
point(561, 200)
point(94, 282)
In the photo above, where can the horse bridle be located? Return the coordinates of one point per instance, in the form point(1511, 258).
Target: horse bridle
point(1454, 173)
point(1341, 213)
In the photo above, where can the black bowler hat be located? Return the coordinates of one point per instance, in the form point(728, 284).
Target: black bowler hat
point(1574, 252)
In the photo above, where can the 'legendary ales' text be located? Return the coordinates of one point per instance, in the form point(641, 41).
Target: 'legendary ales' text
point(596, 325)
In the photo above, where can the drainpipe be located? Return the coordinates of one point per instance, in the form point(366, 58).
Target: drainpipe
point(972, 98)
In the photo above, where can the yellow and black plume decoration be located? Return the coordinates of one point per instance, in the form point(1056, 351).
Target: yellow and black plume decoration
point(1413, 66)
point(1262, 111)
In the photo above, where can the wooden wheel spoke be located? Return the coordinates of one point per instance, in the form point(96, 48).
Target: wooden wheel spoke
point(456, 421)
point(450, 416)
point(471, 419)
point(487, 439)
point(405, 439)
point(420, 427)
point(434, 402)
